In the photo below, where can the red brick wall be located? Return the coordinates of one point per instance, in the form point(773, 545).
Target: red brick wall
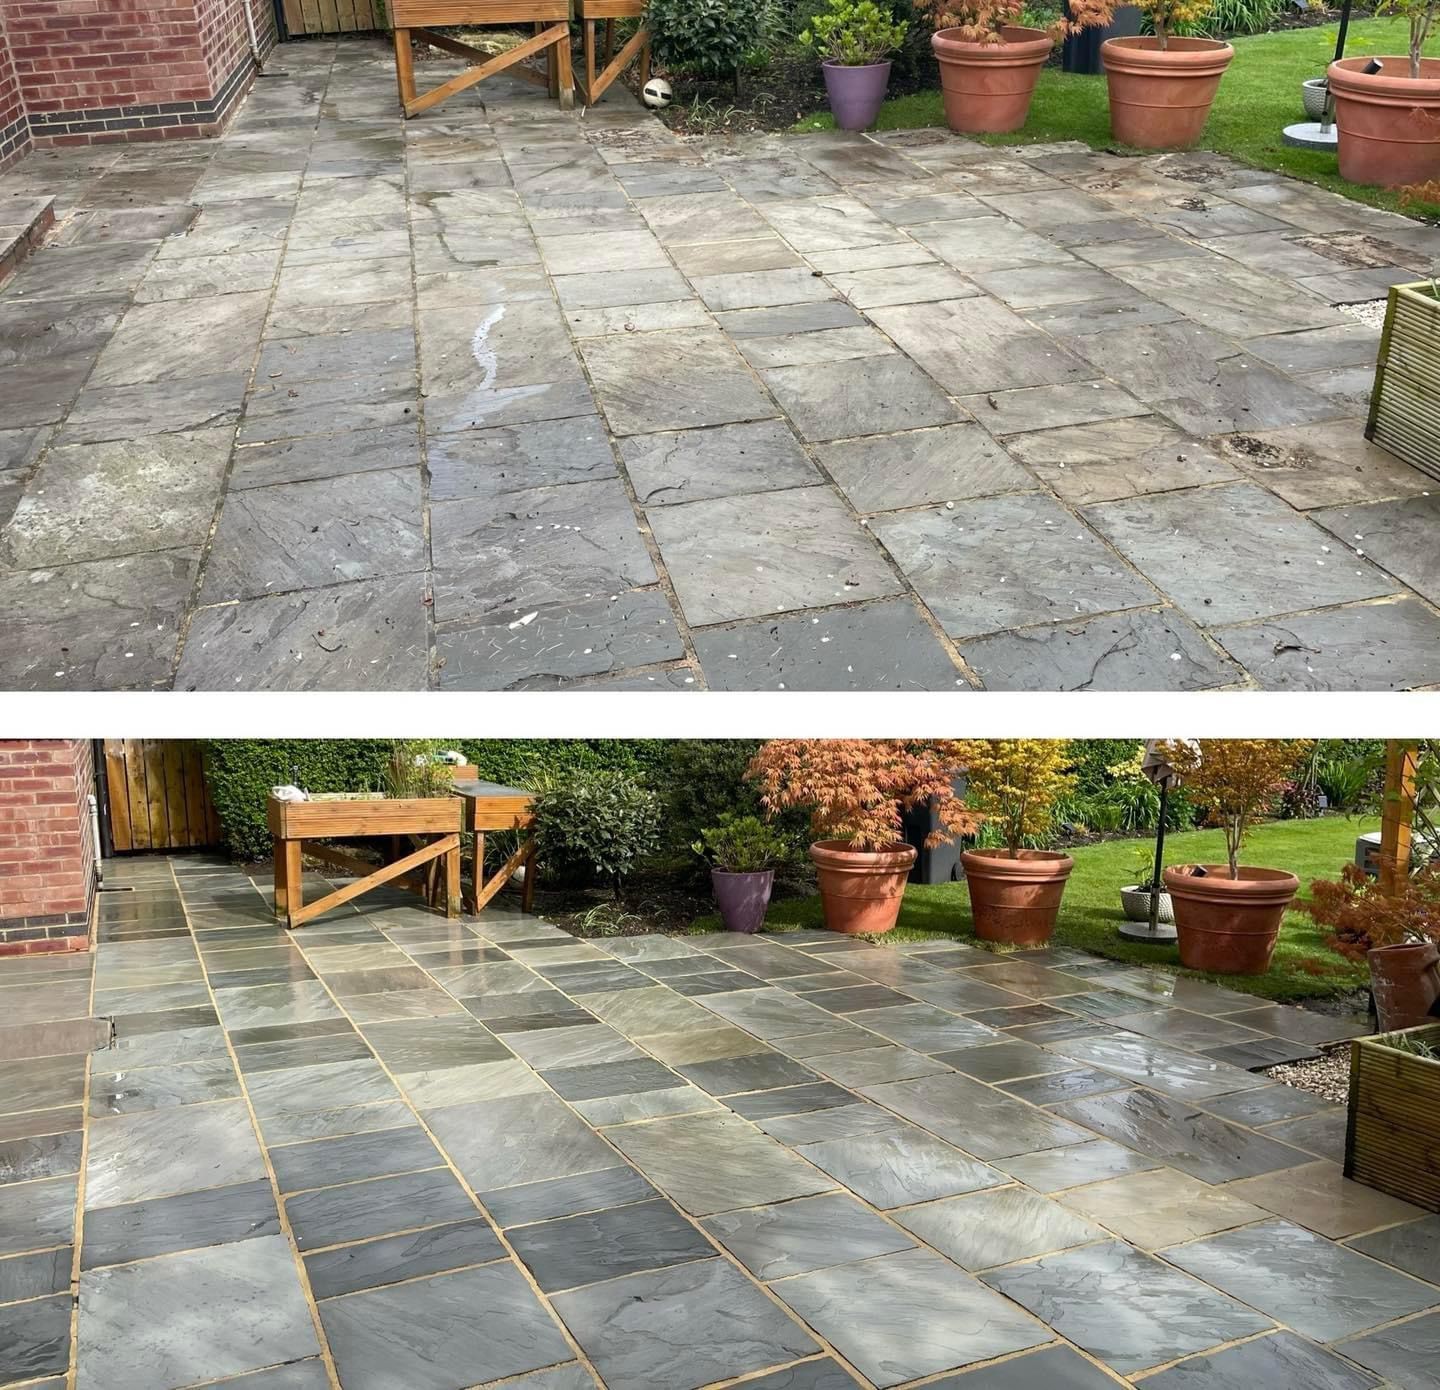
point(47, 852)
point(104, 70)
point(14, 133)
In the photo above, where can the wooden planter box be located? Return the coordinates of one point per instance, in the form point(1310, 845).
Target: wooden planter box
point(1392, 1142)
point(310, 820)
point(1405, 401)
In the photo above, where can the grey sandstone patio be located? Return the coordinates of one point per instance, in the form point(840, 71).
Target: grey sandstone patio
point(389, 1152)
point(507, 398)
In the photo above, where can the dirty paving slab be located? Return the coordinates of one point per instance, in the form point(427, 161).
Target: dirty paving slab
point(507, 398)
point(386, 1149)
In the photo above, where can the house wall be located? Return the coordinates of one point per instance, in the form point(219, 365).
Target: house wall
point(14, 128)
point(47, 849)
point(100, 71)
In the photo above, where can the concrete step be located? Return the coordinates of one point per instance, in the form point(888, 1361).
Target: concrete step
point(23, 225)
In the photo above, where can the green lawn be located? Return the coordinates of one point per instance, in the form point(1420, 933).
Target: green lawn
point(1259, 96)
point(1303, 966)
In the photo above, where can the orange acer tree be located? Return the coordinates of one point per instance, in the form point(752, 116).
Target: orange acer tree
point(1235, 779)
point(1169, 17)
point(985, 21)
point(856, 788)
point(1360, 916)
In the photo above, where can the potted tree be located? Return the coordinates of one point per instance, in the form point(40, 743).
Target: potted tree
point(742, 852)
point(1162, 85)
point(1227, 916)
point(1397, 934)
point(1015, 891)
point(853, 39)
point(990, 61)
point(1387, 110)
point(855, 790)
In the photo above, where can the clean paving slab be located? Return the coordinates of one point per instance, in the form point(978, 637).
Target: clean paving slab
point(1405, 1353)
point(681, 1328)
point(1279, 1359)
point(983, 1229)
point(1321, 1290)
point(925, 1316)
point(900, 1166)
point(1129, 1310)
point(774, 1242)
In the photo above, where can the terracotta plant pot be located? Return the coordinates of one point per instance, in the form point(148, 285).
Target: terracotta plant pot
point(856, 92)
point(987, 86)
point(742, 898)
point(1016, 900)
point(1160, 98)
point(1228, 925)
point(861, 889)
point(1405, 981)
point(1388, 123)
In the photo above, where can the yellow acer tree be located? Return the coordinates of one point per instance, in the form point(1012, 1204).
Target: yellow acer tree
point(1016, 783)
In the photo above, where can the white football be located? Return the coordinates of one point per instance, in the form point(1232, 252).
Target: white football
point(657, 93)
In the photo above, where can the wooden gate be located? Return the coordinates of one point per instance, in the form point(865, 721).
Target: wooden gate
point(333, 16)
point(156, 795)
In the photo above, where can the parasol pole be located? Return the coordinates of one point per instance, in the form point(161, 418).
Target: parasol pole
point(1155, 880)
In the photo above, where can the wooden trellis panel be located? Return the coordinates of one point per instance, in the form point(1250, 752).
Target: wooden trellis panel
point(157, 797)
point(333, 16)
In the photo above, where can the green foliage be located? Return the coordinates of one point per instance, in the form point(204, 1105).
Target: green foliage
point(1227, 17)
point(853, 33)
point(742, 845)
point(704, 780)
point(596, 821)
point(240, 772)
point(1344, 781)
point(414, 769)
point(710, 38)
point(1093, 760)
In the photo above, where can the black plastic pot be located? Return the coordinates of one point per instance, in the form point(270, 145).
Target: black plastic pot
point(938, 865)
point(1081, 52)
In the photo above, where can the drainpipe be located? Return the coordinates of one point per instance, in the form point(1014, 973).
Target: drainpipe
point(254, 37)
point(95, 836)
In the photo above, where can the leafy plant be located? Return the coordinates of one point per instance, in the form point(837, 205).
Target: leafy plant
point(1235, 779)
point(707, 37)
point(741, 845)
point(1017, 783)
point(1360, 916)
point(1145, 868)
point(855, 788)
point(1409, 1044)
point(1344, 781)
point(985, 21)
point(414, 769)
point(853, 33)
point(1174, 17)
point(1421, 16)
point(602, 821)
point(1228, 17)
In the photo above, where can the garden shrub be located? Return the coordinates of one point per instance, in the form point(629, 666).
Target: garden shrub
point(597, 822)
point(742, 845)
point(240, 772)
point(709, 38)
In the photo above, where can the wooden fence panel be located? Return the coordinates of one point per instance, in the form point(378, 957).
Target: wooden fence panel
point(157, 795)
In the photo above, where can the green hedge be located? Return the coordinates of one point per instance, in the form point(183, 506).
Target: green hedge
point(242, 771)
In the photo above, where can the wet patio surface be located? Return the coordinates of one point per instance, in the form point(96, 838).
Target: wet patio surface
point(507, 398)
point(388, 1150)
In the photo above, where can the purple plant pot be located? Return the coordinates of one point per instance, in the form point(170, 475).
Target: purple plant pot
point(856, 93)
point(742, 898)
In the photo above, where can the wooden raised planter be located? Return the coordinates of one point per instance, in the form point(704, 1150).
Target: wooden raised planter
point(491, 806)
point(298, 826)
point(419, 19)
point(1392, 1142)
point(1405, 400)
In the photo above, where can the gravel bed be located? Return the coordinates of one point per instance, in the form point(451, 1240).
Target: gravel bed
point(1371, 312)
point(1327, 1076)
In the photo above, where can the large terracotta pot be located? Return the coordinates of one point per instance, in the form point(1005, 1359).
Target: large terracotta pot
point(1388, 122)
point(860, 889)
point(1228, 925)
point(1015, 900)
point(987, 86)
point(1405, 981)
point(1160, 98)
